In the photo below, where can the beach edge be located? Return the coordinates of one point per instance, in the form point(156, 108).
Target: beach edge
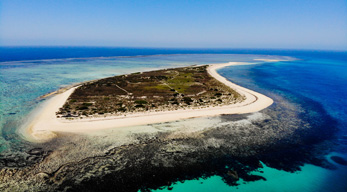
point(45, 125)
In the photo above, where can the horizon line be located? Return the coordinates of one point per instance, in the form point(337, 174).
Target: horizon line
point(173, 48)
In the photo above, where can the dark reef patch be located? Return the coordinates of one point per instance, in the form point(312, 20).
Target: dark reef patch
point(284, 137)
point(339, 160)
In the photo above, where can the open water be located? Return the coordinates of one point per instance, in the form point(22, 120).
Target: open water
point(316, 80)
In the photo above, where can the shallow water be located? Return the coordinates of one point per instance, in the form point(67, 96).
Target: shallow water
point(23, 82)
point(316, 83)
point(310, 178)
point(312, 82)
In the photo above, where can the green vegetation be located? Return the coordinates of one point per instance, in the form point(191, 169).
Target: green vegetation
point(187, 100)
point(218, 94)
point(141, 102)
point(155, 90)
point(87, 104)
point(139, 106)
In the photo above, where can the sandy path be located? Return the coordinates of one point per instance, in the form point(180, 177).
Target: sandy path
point(45, 124)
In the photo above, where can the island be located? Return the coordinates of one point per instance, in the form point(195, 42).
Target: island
point(153, 91)
point(145, 98)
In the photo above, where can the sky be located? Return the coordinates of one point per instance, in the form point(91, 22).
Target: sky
point(284, 24)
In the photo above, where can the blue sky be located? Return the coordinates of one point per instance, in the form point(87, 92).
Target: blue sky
point(293, 24)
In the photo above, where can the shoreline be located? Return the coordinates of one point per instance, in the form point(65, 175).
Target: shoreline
point(45, 125)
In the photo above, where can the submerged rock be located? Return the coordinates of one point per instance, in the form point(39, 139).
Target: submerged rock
point(233, 174)
point(36, 151)
point(231, 150)
point(42, 176)
point(32, 158)
point(339, 160)
point(260, 165)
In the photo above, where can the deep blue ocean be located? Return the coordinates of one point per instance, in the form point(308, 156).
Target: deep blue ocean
point(314, 80)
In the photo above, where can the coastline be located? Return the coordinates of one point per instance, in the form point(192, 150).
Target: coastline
point(45, 125)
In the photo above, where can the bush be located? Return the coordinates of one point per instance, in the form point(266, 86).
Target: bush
point(175, 103)
point(87, 104)
point(140, 102)
point(122, 109)
point(218, 94)
point(187, 100)
point(83, 107)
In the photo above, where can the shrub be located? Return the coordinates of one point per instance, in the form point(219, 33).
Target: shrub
point(87, 104)
point(122, 109)
point(140, 102)
point(83, 107)
point(175, 103)
point(139, 106)
point(218, 94)
point(187, 100)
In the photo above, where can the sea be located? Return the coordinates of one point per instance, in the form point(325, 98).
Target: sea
point(315, 80)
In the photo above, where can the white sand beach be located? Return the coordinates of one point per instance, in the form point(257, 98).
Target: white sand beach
point(46, 124)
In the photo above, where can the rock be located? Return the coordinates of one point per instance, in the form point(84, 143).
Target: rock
point(32, 158)
point(35, 151)
point(233, 174)
point(253, 178)
point(42, 176)
point(11, 164)
point(21, 163)
point(260, 165)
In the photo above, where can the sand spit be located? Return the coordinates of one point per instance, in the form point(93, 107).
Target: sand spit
point(45, 124)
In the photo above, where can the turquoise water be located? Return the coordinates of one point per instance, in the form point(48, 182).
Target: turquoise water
point(314, 82)
point(23, 82)
point(317, 81)
point(310, 178)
